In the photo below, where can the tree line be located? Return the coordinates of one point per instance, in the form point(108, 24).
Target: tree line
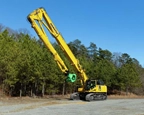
point(27, 68)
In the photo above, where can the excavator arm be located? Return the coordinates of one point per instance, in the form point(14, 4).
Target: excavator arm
point(40, 20)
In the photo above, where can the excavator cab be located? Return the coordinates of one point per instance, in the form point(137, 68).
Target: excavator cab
point(90, 84)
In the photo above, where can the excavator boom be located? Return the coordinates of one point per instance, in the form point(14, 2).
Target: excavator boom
point(40, 19)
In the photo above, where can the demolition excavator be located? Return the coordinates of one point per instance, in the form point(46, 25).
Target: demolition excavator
point(90, 89)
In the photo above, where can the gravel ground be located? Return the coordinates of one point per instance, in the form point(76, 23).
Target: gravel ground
point(67, 107)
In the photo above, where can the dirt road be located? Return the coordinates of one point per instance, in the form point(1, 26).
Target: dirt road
point(67, 107)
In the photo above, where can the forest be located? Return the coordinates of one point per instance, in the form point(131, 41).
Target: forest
point(27, 68)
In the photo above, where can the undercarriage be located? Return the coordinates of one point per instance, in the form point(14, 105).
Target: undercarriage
point(88, 96)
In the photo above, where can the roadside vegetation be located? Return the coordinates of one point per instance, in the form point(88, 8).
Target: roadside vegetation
point(27, 68)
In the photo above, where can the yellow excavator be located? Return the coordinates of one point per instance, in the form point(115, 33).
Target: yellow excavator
point(90, 89)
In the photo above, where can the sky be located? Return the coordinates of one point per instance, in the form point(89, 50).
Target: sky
point(115, 25)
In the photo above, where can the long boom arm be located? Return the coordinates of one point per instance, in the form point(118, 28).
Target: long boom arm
point(40, 19)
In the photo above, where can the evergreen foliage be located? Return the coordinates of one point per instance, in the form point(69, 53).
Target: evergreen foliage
point(28, 68)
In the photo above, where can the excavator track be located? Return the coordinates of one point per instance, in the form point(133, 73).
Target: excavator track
point(88, 97)
point(95, 96)
point(74, 96)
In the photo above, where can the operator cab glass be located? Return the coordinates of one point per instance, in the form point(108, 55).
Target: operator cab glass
point(90, 84)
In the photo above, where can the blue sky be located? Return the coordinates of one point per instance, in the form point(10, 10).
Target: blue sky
point(116, 25)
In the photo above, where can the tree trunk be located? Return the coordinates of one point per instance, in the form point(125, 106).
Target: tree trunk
point(2, 89)
point(31, 92)
point(63, 92)
point(36, 89)
point(20, 92)
point(126, 90)
point(25, 90)
point(10, 92)
point(43, 89)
